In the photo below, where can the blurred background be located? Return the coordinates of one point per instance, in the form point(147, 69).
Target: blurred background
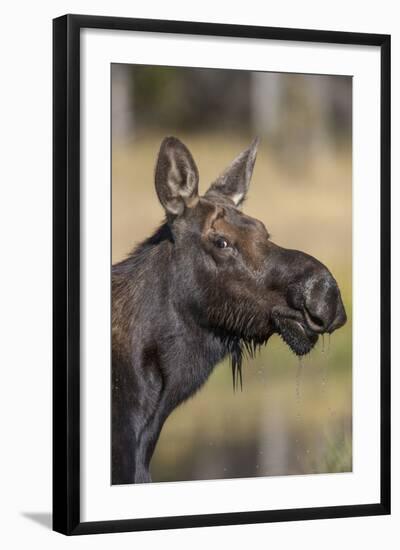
point(292, 417)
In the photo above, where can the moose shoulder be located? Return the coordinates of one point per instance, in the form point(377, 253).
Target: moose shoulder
point(208, 283)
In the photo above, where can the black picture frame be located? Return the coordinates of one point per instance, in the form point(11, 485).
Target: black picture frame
point(66, 273)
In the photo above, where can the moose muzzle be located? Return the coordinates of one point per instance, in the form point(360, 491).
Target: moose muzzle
point(311, 305)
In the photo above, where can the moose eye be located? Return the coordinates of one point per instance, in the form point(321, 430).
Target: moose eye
point(220, 242)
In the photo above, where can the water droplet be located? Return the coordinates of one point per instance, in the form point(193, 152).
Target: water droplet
point(298, 378)
point(298, 416)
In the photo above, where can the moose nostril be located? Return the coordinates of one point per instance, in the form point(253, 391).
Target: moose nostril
point(315, 322)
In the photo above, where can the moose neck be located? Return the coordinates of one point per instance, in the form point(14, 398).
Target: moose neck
point(148, 292)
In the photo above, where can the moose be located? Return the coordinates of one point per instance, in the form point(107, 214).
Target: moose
point(209, 283)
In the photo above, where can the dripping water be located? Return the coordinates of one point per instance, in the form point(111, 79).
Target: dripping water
point(298, 380)
point(324, 373)
point(298, 406)
point(324, 368)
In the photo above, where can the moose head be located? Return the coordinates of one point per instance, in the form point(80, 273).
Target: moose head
point(233, 278)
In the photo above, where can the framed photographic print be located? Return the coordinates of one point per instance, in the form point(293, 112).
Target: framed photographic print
point(221, 274)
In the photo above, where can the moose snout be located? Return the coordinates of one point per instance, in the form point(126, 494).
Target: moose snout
point(311, 292)
point(323, 307)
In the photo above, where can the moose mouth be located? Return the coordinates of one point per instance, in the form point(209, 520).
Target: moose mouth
point(294, 331)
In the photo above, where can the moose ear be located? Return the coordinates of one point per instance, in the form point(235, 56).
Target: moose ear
point(233, 183)
point(176, 177)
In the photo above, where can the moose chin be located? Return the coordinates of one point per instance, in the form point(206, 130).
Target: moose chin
point(209, 283)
